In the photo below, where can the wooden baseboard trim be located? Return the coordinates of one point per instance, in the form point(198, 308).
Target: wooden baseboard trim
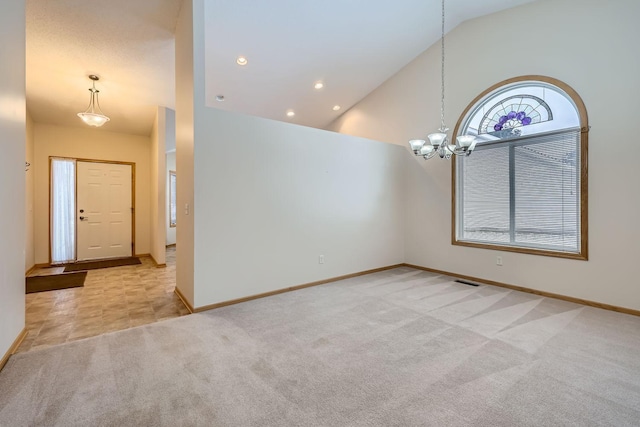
point(16, 343)
point(531, 291)
point(30, 270)
point(291, 288)
point(156, 262)
point(184, 300)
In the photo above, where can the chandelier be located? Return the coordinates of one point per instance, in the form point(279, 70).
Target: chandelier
point(438, 141)
point(93, 115)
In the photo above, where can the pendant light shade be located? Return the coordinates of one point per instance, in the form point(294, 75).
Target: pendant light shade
point(93, 115)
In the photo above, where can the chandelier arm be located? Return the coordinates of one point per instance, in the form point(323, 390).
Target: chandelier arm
point(460, 151)
point(98, 104)
point(94, 98)
point(430, 155)
point(90, 103)
point(455, 150)
point(93, 102)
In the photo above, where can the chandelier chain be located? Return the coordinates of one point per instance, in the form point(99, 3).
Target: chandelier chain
point(442, 125)
point(438, 144)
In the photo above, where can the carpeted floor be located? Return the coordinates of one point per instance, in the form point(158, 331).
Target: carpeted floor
point(396, 348)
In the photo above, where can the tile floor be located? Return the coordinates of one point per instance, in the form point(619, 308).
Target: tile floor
point(111, 299)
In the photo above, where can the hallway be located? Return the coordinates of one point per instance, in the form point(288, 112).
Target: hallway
point(112, 299)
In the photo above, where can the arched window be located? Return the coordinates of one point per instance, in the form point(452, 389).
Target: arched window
point(524, 188)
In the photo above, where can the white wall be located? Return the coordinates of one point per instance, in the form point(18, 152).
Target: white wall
point(588, 44)
point(29, 252)
point(268, 198)
point(94, 144)
point(12, 180)
point(272, 197)
point(185, 93)
point(158, 188)
point(171, 231)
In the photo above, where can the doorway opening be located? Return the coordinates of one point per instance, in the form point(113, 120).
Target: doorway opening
point(92, 207)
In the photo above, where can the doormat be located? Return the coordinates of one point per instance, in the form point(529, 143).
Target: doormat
point(93, 265)
point(55, 282)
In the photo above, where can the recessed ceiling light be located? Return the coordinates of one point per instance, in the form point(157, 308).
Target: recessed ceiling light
point(220, 98)
point(291, 113)
point(336, 107)
point(318, 85)
point(241, 60)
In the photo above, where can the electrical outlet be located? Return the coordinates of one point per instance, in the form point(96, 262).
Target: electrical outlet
point(321, 259)
point(499, 261)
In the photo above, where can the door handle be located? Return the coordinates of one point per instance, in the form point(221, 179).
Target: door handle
point(83, 218)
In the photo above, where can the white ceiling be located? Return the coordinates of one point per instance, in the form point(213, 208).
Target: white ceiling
point(128, 43)
point(351, 45)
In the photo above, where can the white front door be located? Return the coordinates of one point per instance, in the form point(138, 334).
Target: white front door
point(104, 210)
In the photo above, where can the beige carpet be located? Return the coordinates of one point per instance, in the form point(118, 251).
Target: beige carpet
point(397, 348)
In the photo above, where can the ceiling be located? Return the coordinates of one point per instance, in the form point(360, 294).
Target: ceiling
point(128, 43)
point(350, 45)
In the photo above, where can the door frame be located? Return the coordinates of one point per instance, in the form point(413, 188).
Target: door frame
point(133, 197)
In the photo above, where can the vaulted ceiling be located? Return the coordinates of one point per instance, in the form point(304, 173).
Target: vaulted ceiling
point(352, 46)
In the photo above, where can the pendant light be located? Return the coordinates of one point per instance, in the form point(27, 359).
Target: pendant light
point(93, 116)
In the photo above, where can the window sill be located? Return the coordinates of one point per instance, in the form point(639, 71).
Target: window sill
point(582, 256)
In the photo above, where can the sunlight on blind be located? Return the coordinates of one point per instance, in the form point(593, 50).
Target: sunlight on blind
point(173, 217)
point(63, 188)
point(524, 193)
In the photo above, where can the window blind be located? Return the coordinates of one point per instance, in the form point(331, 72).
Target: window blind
point(522, 192)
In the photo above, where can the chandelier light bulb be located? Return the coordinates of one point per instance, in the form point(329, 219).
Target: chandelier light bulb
point(426, 149)
point(437, 138)
point(465, 141)
point(417, 144)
